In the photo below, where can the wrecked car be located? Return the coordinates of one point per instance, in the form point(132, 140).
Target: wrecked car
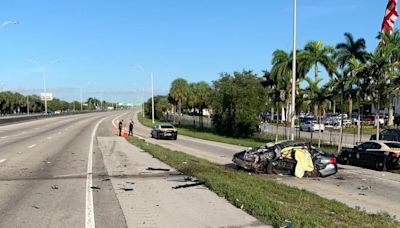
point(288, 158)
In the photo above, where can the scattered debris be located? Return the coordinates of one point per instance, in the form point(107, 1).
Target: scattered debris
point(129, 182)
point(190, 178)
point(364, 188)
point(288, 224)
point(127, 189)
point(361, 194)
point(241, 207)
point(189, 185)
point(364, 179)
point(340, 178)
point(157, 169)
point(55, 187)
point(106, 179)
point(95, 187)
point(36, 207)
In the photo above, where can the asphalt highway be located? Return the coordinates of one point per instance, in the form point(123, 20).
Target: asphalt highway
point(43, 173)
point(73, 171)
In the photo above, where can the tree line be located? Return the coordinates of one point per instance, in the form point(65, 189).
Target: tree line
point(357, 79)
point(15, 103)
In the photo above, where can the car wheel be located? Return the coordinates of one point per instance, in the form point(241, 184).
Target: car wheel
point(309, 129)
point(380, 167)
point(345, 160)
point(175, 137)
point(268, 168)
point(157, 136)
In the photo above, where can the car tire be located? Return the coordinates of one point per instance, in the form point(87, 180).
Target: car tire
point(381, 168)
point(175, 137)
point(309, 129)
point(345, 160)
point(157, 136)
point(268, 168)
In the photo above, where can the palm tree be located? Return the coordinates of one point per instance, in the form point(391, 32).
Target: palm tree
point(281, 74)
point(391, 44)
point(318, 97)
point(203, 92)
point(178, 91)
point(315, 54)
point(350, 54)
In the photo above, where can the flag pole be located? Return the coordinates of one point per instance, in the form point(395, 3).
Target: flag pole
point(293, 109)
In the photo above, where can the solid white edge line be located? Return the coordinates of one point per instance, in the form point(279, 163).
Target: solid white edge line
point(89, 210)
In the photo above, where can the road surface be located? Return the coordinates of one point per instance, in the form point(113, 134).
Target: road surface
point(371, 190)
point(71, 171)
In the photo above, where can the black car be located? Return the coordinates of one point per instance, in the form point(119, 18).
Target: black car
point(271, 159)
point(380, 155)
point(388, 135)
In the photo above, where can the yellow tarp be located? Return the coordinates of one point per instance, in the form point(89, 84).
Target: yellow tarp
point(304, 162)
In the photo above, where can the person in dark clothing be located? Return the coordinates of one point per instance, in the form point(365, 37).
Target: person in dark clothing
point(120, 128)
point(131, 128)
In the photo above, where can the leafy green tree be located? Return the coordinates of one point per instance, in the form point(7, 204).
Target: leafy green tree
point(236, 101)
point(161, 106)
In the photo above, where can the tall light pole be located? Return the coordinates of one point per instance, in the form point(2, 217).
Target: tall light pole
point(152, 89)
point(44, 72)
point(152, 97)
point(293, 109)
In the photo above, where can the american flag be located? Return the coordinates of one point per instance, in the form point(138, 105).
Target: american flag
point(391, 16)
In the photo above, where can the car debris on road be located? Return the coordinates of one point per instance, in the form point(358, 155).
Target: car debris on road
point(189, 185)
point(158, 169)
point(287, 157)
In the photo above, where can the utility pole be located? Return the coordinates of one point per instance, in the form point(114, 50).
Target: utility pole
point(293, 109)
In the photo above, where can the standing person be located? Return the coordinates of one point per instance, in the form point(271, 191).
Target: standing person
point(131, 128)
point(120, 128)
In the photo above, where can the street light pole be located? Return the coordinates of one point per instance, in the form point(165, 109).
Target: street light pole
point(81, 99)
point(293, 111)
point(44, 86)
point(152, 97)
point(143, 102)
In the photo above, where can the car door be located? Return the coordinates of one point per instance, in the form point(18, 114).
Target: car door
point(359, 152)
point(370, 155)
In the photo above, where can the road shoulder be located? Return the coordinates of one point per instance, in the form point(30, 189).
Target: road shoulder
point(148, 199)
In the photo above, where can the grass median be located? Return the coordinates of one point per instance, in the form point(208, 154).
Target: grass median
point(271, 202)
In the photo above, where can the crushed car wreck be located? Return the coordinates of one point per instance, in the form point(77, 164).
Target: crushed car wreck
point(287, 157)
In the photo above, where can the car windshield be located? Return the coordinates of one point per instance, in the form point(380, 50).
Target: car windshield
point(167, 126)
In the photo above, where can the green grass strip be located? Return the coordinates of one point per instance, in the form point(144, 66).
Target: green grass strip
point(269, 201)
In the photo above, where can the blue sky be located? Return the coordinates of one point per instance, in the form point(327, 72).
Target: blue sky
point(96, 42)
